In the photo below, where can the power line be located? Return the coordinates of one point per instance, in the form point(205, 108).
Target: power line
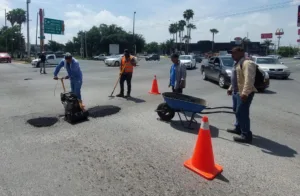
point(262, 8)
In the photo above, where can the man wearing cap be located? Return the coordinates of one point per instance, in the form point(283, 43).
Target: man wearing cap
point(177, 74)
point(74, 74)
point(242, 90)
point(43, 63)
point(126, 69)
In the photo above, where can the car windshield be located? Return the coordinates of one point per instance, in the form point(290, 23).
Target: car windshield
point(266, 61)
point(185, 58)
point(227, 61)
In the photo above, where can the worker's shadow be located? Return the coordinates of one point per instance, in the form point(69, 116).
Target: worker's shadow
point(135, 99)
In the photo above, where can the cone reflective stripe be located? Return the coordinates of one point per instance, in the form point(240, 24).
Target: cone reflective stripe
point(154, 89)
point(202, 161)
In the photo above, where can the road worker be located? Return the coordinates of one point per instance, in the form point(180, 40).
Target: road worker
point(126, 69)
point(74, 74)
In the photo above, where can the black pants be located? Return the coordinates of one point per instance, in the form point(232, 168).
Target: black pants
point(179, 90)
point(125, 77)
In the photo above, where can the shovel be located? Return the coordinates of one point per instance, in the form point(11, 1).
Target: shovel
point(111, 95)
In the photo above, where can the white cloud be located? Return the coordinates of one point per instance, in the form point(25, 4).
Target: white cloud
point(154, 26)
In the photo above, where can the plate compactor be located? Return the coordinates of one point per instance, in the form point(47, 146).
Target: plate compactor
point(73, 110)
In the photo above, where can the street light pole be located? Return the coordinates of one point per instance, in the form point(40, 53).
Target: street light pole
point(134, 48)
point(28, 41)
point(5, 19)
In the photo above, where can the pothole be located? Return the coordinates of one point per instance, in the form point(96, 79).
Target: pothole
point(42, 121)
point(102, 111)
point(28, 79)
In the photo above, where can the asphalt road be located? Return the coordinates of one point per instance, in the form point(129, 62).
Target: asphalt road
point(131, 152)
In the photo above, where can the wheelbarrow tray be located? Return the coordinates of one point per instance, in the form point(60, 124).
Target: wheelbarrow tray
point(180, 103)
point(186, 103)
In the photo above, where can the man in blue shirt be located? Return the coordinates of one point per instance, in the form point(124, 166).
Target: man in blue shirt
point(177, 75)
point(74, 74)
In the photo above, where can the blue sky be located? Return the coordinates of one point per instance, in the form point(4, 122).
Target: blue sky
point(153, 17)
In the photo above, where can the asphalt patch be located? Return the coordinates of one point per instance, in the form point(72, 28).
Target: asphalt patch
point(42, 121)
point(28, 79)
point(102, 111)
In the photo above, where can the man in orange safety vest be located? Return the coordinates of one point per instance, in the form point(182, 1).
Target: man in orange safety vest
point(126, 69)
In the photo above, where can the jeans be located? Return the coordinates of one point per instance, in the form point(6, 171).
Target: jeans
point(242, 113)
point(125, 77)
point(42, 66)
point(179, 90)
point(76, 87)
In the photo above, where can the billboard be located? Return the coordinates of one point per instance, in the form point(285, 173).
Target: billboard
point(298, 40)
point(266, 35)
point(298, 16)
point(279, 32)
point(298, 31)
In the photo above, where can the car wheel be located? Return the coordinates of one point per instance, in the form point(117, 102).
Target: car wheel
point(221, 81)
point(285, 77)
point(204, 75)
point(117, 64)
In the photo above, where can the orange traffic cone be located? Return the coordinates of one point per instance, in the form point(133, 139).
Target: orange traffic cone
point(202, 161)
point(154, 90)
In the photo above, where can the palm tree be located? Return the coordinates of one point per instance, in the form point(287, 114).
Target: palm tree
point(267, 43)
point(172, 30)
point(213, 31)
point(10, 16)
point(190, 26)
point(181, 25)
point(188, 15)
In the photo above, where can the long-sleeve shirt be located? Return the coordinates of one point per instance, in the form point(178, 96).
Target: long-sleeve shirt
point(73, 69)
point(178, 76)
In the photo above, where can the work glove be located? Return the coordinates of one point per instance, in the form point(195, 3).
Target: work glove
point(55, 78)
point(67, 77)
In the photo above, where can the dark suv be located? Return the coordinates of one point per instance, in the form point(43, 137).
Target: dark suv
point(153, 57)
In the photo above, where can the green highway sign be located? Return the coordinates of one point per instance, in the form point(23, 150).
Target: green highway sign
point(53, 26)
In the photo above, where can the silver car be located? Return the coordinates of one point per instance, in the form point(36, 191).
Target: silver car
point(113, 60)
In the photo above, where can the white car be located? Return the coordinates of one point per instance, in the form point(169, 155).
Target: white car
point(271, 65)
point(113, 60)
point(51, 59)
point(188, 60)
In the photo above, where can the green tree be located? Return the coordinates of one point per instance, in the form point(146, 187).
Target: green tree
point(13, 38)
point(152, 47)
point(181, 25)
point(267, 43)
point(188, 15)
point(214, 32)
point(55, 46)
point(287, 51)
point(173, 29)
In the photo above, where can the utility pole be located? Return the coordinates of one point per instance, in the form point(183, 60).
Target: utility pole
point(86, 53)
point(81, 48)
point(28, 41)
point(134, 48)
point(36, 33)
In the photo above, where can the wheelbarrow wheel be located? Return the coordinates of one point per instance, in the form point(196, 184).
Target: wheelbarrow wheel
point(165, 112)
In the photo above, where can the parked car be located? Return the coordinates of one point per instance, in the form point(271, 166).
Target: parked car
point(274, 68)
point(113, 60)
point(51, 59)
point(5, 57)
point(219, 69)
point(100, 57)
point(188, 60)
point(152, 57)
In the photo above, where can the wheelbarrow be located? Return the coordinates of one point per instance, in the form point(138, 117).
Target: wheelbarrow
point(180, 103)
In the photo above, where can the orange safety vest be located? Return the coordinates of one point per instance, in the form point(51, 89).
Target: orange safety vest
point(128, 65)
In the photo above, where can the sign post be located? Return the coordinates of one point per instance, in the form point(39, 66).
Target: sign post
point(298, 16)
point(53, 26)
point(279, 32)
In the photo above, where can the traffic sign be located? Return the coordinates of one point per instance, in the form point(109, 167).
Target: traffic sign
point(53, 26)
